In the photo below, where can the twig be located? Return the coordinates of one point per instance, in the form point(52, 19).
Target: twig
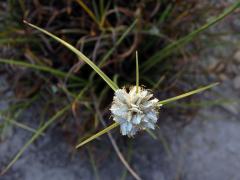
point(113, 142)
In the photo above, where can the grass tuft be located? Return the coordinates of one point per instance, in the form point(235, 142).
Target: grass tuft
point(178, 44)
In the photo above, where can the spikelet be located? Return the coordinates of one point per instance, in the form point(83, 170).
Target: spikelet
point(134, 111)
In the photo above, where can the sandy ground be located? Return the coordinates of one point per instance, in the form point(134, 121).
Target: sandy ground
point(208, 148)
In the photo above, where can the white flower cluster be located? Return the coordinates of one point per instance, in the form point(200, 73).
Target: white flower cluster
point(134, 111)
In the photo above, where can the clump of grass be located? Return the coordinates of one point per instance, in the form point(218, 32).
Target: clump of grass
point(82, 79)
point(107, 80)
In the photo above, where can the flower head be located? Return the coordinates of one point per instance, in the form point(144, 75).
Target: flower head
point(134, 110)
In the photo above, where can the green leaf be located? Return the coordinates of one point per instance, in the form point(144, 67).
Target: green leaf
point(109, 128)
point(40, 68)
point(80, 55)
point(188, 94)
point(137, 72)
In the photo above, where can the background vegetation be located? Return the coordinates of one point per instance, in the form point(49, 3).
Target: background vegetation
point(44, 73)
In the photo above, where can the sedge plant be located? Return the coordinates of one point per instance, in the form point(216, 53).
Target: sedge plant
point(115, 87)
point(141, 95)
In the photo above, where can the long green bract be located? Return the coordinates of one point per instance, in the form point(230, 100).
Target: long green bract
point(80, 55)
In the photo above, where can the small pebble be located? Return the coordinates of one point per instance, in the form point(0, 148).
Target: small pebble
point(236, 82)
point(232, 108)
point(223, 77)
point(237, 56)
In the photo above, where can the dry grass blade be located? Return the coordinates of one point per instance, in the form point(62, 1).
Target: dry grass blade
point(118, 42)
point(113, 142)
point(18, 124)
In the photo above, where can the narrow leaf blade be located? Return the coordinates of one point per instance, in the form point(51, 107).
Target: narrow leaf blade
point(80, 55)
point(40, 68)
point(33, 138)
point(109, 128)
point(188, 94)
